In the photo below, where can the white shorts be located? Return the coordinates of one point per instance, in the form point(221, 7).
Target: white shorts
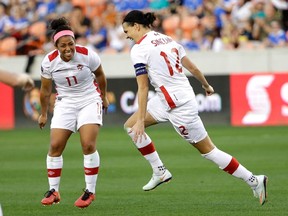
point(72, 117)
point(185, 118)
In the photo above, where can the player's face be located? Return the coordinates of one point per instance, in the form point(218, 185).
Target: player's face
point(66, 47)
point(130, 31)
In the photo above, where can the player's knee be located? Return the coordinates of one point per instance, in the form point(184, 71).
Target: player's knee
point(126, 125)
point(88, 149)
point(129, 132)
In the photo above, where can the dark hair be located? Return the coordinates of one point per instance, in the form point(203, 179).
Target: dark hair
point(136, 16)
point(3, 5)
point(60, 24)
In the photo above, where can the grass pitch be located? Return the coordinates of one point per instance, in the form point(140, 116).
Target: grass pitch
point(198, 187)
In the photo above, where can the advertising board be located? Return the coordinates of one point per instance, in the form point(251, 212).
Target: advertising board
point(22, 109)
point(259, 99)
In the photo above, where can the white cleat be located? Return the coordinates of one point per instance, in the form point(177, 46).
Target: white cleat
point(260, 191)
point(157, 180)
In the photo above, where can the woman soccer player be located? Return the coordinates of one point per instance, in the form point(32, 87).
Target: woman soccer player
point(78, 106)
point(158, 58)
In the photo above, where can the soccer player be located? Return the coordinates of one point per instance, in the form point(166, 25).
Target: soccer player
point(78, 106)
point(21, 80)
point(158, 58)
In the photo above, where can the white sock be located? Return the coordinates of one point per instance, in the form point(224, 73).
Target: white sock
point(147, 149)
point(91, 167)
point(252, 181)
point(54, 168)
point(230, 165)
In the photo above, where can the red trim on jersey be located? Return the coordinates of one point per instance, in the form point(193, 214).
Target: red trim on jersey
point(54, 172)
point(232, 166)
point(53, 55)
point(167, 97)
point(138, 42)
point(82, 50)
point(91, 171)
point(97, 87)
point(147, 149)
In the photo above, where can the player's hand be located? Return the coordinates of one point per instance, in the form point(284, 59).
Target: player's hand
point(105, 104)
point(139, 131)
point(26, 82)
point(208, 89)
point(42, 121)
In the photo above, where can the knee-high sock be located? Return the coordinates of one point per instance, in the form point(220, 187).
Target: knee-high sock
point(230, 165)
point(54, 168)
point(91, 167)
point(148, 151)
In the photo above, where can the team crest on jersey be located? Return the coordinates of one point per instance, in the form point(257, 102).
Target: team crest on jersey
point(79, 67)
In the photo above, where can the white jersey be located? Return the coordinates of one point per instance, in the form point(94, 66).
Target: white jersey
point(160, 56)
point(74, 80)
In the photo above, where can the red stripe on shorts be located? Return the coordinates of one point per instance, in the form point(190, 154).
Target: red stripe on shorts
point(232, 166)
point(167, 97)
point(54, 172)
point(147, 149)
point(91, 171)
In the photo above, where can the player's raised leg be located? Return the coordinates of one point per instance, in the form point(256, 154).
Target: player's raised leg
point(148, 151)
point(229, 164)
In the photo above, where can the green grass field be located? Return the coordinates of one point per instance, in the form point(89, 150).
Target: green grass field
point(198, 187)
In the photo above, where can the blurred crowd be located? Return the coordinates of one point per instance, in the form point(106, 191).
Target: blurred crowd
point(197, 24)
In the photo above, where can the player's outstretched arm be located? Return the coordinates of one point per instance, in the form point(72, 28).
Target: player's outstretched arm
point(191, 67)
point(21, 80)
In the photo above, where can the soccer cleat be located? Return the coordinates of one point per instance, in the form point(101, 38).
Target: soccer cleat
point(51, 197)
point(156, 180)
point(260, 191)
point(85, 200)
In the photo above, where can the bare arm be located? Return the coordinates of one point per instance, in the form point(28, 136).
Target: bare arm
point(21, 80)
point(102, 82)
point(45, 93)
point(197, 74)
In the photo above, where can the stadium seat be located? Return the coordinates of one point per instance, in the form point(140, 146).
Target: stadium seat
point(91, 8)
point(96, 8)
point(8, 46)
point(171, 25)
point(188, 24)
point(81, 3)
point(38, 30)
point(37, 37)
